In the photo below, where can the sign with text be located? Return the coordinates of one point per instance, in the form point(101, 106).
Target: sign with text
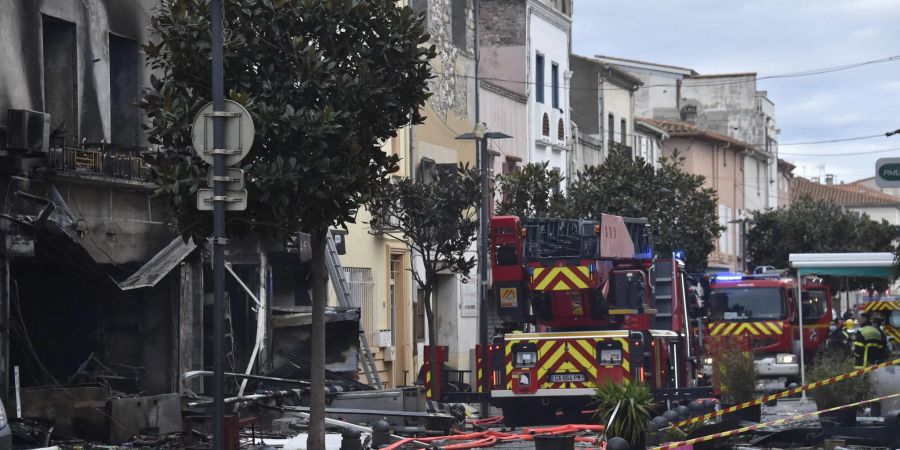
point(887, 172)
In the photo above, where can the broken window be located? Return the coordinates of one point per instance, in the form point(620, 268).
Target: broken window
point(60, 78)
point(124, 88)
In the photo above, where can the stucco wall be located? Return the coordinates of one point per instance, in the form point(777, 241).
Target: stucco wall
point(721, 168)
point(548, 39)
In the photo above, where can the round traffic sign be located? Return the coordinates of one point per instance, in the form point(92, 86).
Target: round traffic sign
point(239, 133)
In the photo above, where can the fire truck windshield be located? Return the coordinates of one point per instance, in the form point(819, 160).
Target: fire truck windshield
point(747, 303)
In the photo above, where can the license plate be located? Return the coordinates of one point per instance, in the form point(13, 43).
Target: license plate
point(567, 377)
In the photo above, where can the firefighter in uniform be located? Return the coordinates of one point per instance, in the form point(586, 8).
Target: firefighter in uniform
point(838, 338)
point(869, 343)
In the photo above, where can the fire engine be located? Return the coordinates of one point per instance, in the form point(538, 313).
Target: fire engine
point(584, 301)
point(889, 307)
point(763, 307)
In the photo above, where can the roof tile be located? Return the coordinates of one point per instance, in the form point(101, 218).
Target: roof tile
point(840, 194)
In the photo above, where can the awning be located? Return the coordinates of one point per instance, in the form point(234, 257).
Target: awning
point(160, 265)
point(876, 265)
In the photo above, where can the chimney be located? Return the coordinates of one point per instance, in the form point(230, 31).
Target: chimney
point(829, 179)
point(689, 114)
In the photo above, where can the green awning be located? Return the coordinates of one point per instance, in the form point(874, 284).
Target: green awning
point(875, 265)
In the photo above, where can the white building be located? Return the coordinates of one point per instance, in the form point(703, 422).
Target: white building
point(727, 104)
point(525, 50)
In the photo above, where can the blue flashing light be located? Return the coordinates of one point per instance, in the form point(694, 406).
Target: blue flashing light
point(729, 276)
point(530, 271)
point(592, 268)
point(679, 255)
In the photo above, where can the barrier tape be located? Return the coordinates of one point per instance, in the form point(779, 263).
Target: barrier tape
point(783, 394)
point(771, 423)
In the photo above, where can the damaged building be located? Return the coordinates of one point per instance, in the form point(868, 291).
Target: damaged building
point(103, 307)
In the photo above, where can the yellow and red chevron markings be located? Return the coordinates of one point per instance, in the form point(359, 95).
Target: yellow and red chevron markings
point(892, 332)
point(882, 305)
point(771, 423)
point(566, 356)
point(764, 328)
point(789, 392)
point(562, 278)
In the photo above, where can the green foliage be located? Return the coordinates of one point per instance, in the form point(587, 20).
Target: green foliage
point(832, 364)
point(325, 83)
point(810, 226)
point(682, 212)
point(735, 373)
point(437, 220)
point(636, 408)
point(532, 191)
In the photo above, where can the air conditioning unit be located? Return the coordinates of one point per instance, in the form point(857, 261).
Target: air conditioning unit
point(27, 130)
point(390, 353)
point(382, 338)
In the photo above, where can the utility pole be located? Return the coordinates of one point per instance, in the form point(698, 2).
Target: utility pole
point(219, 196)
point(481, 146)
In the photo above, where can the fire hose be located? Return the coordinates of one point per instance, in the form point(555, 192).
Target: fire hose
point(488, 438)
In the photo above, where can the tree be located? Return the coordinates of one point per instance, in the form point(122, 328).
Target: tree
point(533, 191)
point(325, 84)
point(438, 222)
point(818, 226)
point(681, 211)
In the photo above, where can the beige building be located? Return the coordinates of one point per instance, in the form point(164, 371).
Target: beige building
point(785, 176)
point(719, 159)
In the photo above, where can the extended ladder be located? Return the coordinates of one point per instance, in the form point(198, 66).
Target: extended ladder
point(342, 289)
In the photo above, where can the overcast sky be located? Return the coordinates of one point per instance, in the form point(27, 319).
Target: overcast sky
point(773, 37)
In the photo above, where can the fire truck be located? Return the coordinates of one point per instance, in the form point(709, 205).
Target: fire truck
point(584, 301)
point(889, 307)
point(763, 307)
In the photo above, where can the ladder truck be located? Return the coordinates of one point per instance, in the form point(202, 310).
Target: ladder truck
point(585, 301)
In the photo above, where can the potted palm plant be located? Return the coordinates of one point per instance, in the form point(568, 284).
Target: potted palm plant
point(850, 390)
point(633, 405)
point(735, 373)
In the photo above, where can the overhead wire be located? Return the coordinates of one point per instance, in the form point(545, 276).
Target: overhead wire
point(805, 73)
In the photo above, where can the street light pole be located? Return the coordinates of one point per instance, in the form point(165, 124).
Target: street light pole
point(218, 350)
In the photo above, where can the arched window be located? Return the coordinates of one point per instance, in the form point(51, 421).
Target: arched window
point(561, 131)
point(545, 125)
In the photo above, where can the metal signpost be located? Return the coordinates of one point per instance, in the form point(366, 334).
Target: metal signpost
point(231, 136)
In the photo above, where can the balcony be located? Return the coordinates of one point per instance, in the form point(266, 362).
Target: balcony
point(99, 164)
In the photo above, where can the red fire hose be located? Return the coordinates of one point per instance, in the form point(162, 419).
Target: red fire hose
point(488, 438)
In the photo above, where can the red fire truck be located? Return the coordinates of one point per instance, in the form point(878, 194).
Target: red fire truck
point(889, 307)
point(587, 302)
point(763, 307)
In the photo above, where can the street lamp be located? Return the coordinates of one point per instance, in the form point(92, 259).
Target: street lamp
point(481, 134)
point(743, 223)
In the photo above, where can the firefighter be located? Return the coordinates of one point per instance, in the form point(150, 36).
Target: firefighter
point(869, 343)
point(838, 337)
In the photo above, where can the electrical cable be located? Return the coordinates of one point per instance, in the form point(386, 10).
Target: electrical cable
point(805, 73)
point(825, 155)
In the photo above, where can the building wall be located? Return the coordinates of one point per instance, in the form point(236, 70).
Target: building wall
point(548, 35)
point(79, 35)
point(658, 97)
point(890, 213)
point(721, 167)
point(505, 112)
point(784, 189)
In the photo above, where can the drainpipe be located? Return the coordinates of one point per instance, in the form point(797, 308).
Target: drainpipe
point(604, 147)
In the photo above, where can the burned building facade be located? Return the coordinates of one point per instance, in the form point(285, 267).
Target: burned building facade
point(99, 295)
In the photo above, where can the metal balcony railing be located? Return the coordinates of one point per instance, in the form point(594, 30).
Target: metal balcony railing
point(99, 160)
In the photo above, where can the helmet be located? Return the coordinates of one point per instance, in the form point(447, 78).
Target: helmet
point(849, 323)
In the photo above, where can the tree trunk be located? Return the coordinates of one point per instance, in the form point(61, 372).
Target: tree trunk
point(319, 279)
point(432, 337)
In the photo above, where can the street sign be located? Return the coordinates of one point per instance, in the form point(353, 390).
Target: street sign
point(887, 172)
point(239, 132)
point(233, 200)
point(234, 179)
